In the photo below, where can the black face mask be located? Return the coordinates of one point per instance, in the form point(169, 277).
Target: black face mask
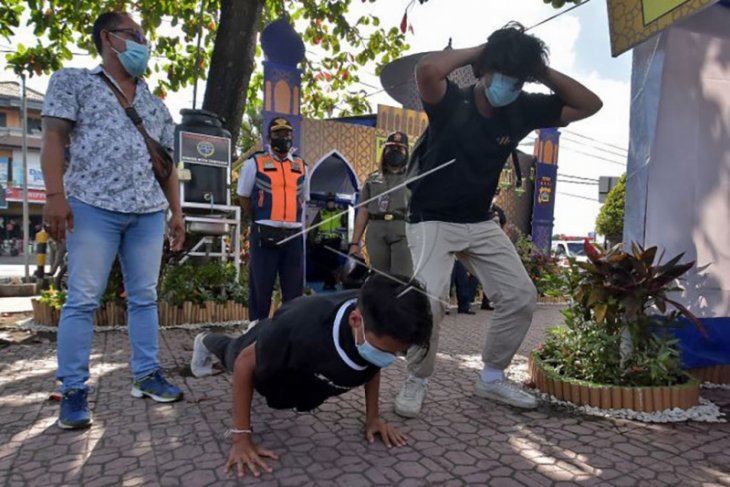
point(281, 145)
point(395, 159)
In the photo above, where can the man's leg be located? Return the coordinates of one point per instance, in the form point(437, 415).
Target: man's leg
point(92, 247)
point(140, 254)
point(464, 288)
point(291, 269)
point(263, 265)
point(493, 259)
point(432, 246)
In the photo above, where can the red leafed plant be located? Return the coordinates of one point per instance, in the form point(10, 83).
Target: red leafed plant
point(620, 288)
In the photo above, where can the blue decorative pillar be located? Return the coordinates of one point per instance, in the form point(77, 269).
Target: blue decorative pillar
point(283, 51)
point(546, 174)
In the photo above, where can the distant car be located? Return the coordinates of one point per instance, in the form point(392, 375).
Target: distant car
point(563, 249)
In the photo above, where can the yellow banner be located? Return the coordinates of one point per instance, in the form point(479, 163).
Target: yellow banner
point(633, 21)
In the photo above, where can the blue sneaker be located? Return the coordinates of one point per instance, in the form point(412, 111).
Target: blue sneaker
point(156, 387)
point(75, 412)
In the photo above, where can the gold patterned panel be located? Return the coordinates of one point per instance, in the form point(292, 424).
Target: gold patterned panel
point(356, 143)
point(517, 204)
point(411, 122)
point(634, 21)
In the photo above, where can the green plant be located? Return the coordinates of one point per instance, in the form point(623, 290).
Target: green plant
point(214, 281)
point(610, 220)
point(617, 292)
point(620, 288)
point(53, 297)
point(542, 268)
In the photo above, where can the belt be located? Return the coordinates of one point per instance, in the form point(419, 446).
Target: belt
point(388, 217)
point(279, 230)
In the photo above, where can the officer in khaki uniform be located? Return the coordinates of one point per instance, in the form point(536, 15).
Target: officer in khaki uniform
point(384, 216)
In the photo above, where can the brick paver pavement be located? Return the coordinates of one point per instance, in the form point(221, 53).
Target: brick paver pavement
point(459, 439)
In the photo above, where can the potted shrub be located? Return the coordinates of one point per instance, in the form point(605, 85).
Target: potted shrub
point(614, 349)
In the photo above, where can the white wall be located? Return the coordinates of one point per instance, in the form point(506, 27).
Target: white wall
point(678, 196)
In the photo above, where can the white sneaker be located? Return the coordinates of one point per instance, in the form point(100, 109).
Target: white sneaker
point(201, 364)
point(409, 400)
point(506, 392)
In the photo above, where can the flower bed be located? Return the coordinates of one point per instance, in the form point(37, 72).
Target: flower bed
point(614, 350)
point(187, 293)
point(111, 314)
point(582, 393)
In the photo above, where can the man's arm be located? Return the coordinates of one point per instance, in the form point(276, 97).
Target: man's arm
point(580, 102)
point(171, 188)
point(246, 180)
point(243, 372)
point(245, 202)
point(373, 424)
point(361, 221)
point(56, 212)
point(245, 454)
point(432, 70)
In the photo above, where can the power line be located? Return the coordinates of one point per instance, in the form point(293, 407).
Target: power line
point(595, 147)
point(595, 140)
point(570, 149)
point(579, 197)
point(579, 178)
point(585, 183)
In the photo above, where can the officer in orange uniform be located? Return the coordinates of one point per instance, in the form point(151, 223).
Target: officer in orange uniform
point(273, 186)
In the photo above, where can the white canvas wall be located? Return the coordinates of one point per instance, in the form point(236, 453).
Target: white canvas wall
point(678, 188)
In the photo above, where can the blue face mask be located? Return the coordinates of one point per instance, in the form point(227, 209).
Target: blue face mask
point(135, 58)
point(376, 357)
point(503, 90)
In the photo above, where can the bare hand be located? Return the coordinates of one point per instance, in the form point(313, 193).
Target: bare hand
point(353, 250)
point(177, 232)
point(247, 455)
point(389, 434)
point(58, 216)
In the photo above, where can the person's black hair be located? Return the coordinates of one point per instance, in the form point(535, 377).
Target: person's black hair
point(399, 311)
point(106, 21)
point(514, 53)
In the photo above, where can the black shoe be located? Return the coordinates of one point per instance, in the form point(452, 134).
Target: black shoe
point(487, 306)
point(466, 312)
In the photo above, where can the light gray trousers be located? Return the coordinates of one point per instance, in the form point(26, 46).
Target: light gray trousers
point(489, 255)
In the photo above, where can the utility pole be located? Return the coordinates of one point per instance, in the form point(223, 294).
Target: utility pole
point(26, 215)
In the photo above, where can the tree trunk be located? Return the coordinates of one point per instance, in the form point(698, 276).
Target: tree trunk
point(232, 62)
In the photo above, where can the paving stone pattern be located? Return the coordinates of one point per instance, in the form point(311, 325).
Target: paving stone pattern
point(459, 439)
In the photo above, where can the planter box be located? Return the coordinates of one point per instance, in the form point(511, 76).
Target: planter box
point(113, 315)
point(552, 300)
point(646, 399)
point(717, 374)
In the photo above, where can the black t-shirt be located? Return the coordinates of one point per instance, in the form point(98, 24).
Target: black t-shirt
point(306, 352)
point(463, 191)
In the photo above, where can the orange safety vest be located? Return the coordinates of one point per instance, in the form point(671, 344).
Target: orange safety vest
point(278, 192)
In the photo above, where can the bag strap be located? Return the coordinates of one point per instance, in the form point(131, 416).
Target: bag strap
point(131, 112)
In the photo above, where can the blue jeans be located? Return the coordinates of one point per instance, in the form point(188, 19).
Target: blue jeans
point(98, 237)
